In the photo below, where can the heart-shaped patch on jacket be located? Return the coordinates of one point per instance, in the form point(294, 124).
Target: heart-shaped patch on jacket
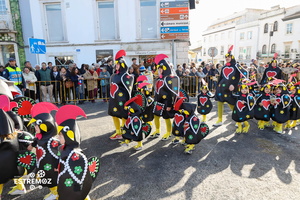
point(266, 104)
point(240, 105)
point(271, 74)
point(227, 71)
point(203, 100)
point(113, 89)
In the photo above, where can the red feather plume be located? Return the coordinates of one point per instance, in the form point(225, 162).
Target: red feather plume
point(68, 112)
point(275, 55)
point(42, 107)
point(159, 57)
point(230, 49)
point(178, 103)
point(142, 78)
point(141, 85)
point(120, 54)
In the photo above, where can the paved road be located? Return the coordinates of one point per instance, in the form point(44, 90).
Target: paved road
point(257, 165)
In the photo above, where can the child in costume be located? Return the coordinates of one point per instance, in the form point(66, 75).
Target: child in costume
point(280, 112)
point(243, 109)
point(186, 124)
point(14, 161)
point(227, 84)
point(262, 107)
point(294, 106)
point(166, 90)
point(76, 173)
point(272, 71)
point(136, 128)
point(121, 83)
point(146, 88)
point(46, 145)
point(25, 139)
point(204, 104)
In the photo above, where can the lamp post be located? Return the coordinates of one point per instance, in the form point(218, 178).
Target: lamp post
point(270, 35)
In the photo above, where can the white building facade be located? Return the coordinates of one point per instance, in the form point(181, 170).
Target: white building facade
point(280, 33)
point(87, 31)
point(249, 32)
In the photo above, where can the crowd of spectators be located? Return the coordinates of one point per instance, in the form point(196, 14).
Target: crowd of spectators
point(64, 84)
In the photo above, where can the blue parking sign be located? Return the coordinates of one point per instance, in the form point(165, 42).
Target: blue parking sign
point(37, 46)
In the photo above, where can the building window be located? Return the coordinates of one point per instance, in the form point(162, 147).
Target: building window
point(229, 34)
point(266, 28)
point(107, 23)
point(242, 36)
point(204, 39)
point(249, 35)
point(216, 37)
point(289, 28)
point(204, 52)
point(148, 19)
point(222, 36)
point(222, 50)
point(3, 9)
point(241, 49)
point(248, 53)
point(209, 38)
point(55, 29)
point(264, 49)
point(63, 61)
point(273, 48)
point(275, 27)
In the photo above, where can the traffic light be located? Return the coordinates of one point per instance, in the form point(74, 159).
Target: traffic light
point(192, 4)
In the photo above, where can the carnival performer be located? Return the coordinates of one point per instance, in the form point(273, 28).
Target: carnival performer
point(204, 104)
point(262, 106)
point(24, 139)
point(16, 161)
point(137, 126)
point(46, 145)
point(76, 173)
point(187, 125)
point(166, 91)
point(280, 112)
point(243, 109)
point(272, 71)
point(146, 88)
point(227, 84)
point(121, 83)
point(294, 106)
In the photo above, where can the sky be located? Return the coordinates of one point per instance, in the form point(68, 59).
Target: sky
point(208, 11)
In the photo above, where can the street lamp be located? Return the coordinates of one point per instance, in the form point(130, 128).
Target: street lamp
point(270, 35)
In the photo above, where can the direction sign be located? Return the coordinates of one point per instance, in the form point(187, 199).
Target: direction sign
point(174, 4)
point(175, 23)
point(166, 11)
point(174, 16)
point(212, 51)
point(173, 36)
point(178, 29)
point(37, 46)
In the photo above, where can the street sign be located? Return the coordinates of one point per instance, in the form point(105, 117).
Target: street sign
point(212, 51)
point(175, 23)
point(166, 11)
point(174, 16)
point(173, 36)
point(37, 46)
point(178, 29)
